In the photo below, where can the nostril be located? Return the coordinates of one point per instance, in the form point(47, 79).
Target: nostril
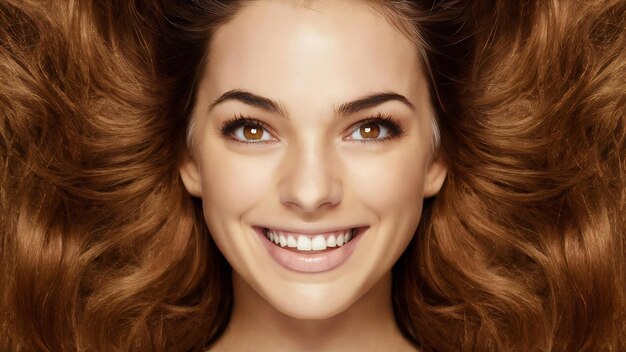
point(309, 189)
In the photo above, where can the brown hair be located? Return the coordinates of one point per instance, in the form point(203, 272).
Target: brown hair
point(101, 248)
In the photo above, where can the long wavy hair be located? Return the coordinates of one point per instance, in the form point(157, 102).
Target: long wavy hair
point(101, 248)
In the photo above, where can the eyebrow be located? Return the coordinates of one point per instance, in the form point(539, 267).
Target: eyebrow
point(370, 101)
point(251, 99)
point(344, 109)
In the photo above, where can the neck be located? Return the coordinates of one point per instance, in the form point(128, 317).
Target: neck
point(367, 325)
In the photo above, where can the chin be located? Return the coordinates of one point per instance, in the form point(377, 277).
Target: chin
point(319, 310)
point(313, 301)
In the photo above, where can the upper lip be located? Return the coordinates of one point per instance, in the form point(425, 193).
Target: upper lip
point(311, 231)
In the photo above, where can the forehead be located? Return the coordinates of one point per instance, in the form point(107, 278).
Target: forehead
point(333, 49)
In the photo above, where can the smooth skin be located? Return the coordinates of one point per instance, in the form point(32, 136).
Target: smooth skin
point(311, 166)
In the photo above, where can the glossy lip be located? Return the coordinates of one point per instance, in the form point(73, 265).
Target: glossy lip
point(310, 262)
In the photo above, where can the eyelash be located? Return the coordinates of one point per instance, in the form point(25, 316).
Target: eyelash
point(394, 127)
point(229, 126)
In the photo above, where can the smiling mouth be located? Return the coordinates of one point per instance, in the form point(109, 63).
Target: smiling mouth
point(310, 243)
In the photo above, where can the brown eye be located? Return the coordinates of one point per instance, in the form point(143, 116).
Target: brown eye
point(250, 132)
point(246, 130)
point(375, 129)
point(370, 130)
point(253, 132)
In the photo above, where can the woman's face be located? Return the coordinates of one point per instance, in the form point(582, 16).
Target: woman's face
point(314, 123)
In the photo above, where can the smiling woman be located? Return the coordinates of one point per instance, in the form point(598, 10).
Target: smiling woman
point(322, 175)
point(339, 202)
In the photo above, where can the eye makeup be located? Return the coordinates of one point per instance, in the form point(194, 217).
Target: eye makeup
point(230, 126)
point(393, 127)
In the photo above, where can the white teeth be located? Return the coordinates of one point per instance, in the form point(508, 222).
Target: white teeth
point(331, 241)
point(318, 243)
point(304, 243)
point(307, 243)
point(276, 239)
point(340, 240)
point(291, 242)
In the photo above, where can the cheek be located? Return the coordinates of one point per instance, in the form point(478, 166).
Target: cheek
point(234, 183)
point(391, 188)
point(392, 183)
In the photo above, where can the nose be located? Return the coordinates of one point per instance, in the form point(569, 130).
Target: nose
point(310, 180)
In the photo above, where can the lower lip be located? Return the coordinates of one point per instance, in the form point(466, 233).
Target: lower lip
point(310, 262)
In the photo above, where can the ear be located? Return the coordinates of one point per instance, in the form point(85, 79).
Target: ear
point(435, 175)
point(190, 174)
